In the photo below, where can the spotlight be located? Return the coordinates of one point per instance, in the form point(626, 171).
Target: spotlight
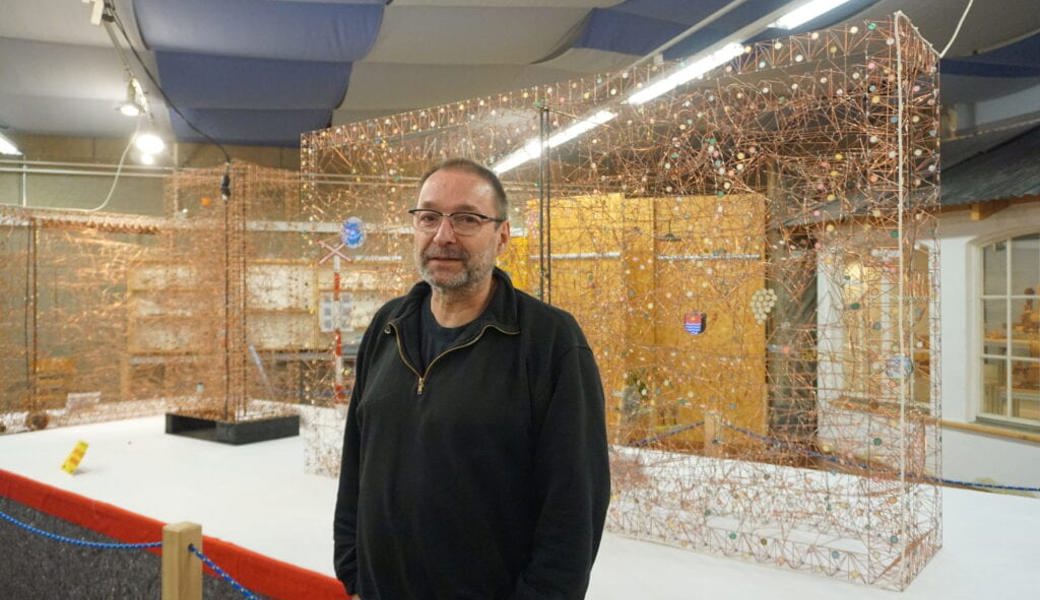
point(149, 143)
point(130, 109)
point(134, 103)
point(147, 159)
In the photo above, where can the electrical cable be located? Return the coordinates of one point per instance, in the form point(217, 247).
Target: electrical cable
point(112, 17)
point(957, 30)
point(119, 167)
point(122, 30)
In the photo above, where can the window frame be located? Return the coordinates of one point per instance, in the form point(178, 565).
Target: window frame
point(979, 356)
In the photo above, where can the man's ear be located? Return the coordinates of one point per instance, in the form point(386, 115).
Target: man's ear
point(503, 238)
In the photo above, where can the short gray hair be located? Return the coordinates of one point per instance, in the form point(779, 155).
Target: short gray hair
point(474, 168)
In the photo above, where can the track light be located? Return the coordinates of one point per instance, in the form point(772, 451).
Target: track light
point(135, 102)
point(149, 143)
point(130, 109)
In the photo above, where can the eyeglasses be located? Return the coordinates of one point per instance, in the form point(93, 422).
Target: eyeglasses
point(462, 223)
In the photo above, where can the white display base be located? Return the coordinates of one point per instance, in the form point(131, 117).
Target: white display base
point(989, 550)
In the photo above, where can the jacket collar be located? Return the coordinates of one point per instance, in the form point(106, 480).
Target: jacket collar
point(501, 311)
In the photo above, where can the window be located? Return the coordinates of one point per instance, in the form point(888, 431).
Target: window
point(1010, 358)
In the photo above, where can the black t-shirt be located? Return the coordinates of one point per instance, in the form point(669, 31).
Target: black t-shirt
point(434, 339)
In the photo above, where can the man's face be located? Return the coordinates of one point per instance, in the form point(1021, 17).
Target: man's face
point(446, 260)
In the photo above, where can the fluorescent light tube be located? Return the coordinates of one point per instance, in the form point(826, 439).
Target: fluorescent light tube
point(533, 149)
point(695, 69)
point(806, 12)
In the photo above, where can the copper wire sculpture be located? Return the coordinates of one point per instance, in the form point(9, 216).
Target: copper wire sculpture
point(750, 256)
point(203, 311)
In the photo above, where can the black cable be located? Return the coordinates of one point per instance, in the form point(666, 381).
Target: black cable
point(122, 30)
point(111, 16)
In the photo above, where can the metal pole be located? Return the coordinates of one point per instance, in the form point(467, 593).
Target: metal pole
point(544, 221)
point(227, 311)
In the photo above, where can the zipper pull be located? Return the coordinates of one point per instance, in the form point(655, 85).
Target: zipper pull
point(422, 383)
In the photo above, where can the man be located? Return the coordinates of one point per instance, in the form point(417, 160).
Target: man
point(475, 454)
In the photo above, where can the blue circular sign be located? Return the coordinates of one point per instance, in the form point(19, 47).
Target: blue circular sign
point(353, 233)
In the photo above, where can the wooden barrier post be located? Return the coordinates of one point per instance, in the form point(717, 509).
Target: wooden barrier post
point(181, 569)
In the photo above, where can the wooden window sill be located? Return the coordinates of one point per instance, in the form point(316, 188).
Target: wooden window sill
point(993, 430)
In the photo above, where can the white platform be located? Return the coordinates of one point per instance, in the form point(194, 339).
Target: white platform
point(258, 497)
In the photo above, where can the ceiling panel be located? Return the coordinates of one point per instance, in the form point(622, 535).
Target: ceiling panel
point(87, 117)
point(62, 21)
point(30, 68)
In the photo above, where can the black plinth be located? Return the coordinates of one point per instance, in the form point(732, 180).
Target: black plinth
point(233, 432)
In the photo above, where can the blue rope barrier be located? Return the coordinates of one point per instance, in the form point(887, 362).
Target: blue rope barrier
point(223, 574)
point(74, 541)
point(995, 486)
point(836, 460)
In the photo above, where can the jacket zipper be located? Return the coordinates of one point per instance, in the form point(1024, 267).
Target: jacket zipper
point(422, 378)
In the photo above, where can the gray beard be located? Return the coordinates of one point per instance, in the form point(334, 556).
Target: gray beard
point(470, 277)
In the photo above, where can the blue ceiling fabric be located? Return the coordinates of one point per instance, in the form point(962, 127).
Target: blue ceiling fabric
point(285, 64)
point(639, 26)
point(1020, 59)
point(614, 31)
point(201, 81)
point(320, 31)
point(249, 127)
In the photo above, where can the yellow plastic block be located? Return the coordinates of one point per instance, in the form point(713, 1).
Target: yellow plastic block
point(72, 462)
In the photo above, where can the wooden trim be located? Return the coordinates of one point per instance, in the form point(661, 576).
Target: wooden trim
point(949, 208)
point(1003, 432)
point(983, 210)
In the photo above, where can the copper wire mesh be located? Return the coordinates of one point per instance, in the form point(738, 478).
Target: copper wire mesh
point(206, 311)
point(64, 320)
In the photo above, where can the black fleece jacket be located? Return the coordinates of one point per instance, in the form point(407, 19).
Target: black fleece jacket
point(486, 477)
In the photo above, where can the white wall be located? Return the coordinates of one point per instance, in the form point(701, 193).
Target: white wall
point(971, 456)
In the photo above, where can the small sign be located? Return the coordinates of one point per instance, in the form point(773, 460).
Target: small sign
point(353, 233)
point(72, 462)
point(898, 367)
point(695, 323)
point(335, 315)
